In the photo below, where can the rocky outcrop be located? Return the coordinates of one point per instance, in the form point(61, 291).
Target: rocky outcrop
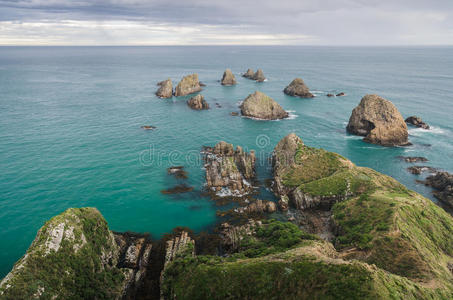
point(181, 245)
point(165, 89)
point(379, 121)
point(341, 94)
point(249, 74)
point(234, 113)
point(188, 85)
point(330, 95)
point(76, 240)
point(298, 88)
point(257, 207)
point(228, 78)
point(417, 122)
point(443, 183)
point(261, 106)
point(198, 103)
point(413, 159)
point(148, 127)
point(231, 236)
point(229, 172)
point(417, 170)
point(259, 76)
point(178, 172)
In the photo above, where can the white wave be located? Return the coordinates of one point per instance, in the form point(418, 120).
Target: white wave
point(421, 131)
point(291, 116)
point(353, 137)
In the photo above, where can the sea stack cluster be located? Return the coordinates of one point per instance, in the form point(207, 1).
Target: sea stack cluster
point(258, 76)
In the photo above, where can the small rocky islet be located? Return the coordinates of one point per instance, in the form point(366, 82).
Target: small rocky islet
point(351, 230)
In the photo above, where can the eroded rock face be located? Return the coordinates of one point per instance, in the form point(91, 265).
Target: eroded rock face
point(249, 74)
point(379, 121)
point(417, 170)
point(443, 183)
point(258, 207)
point(298, 88)
point(188, 85)
point(231, 235)
point(228, 78)
point(416, 121)
point(261, 106)
point(77, 237)
point(413, 159)
point(165, 89)
point(198, 103)
point(229, 172)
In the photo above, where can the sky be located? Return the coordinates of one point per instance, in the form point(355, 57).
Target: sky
point(232, 22)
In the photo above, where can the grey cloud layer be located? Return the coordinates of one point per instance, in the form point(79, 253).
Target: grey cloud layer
point(324, 21)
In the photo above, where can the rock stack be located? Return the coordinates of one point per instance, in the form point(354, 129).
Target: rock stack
point(165, 89)
point(298, 88)
point(198, 103)
point(379, 121)
point(261, 106)
point(228, 78)
point(188, 85)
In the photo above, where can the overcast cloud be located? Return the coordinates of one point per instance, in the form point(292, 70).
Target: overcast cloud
point(200, 22)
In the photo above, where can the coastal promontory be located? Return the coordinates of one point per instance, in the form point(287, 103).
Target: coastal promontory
point(379, 121)
point(259, 105)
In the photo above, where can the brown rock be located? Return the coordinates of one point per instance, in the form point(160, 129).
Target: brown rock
point(249, 74)
point(229, 171)
point(165, 89)
point(233, 113)
point(417, 170)
point(259, 76)
point(231, 236)
point(413, 159)
point(261, 106)
point(148, 127)
point(443, 183)
point(228, 78)
point(379, 121)
point(330, 95)
point(198, 103)
point(258, 207)
point(416, 121)
point(341, 94)
point(188, 85)
point(298, 88)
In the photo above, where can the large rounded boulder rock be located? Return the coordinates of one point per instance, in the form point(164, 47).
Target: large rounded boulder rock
point(261, 106)
point(165, 89)
point(298, 88)
point(379, 121)
point(188, 85)
point(228, 78)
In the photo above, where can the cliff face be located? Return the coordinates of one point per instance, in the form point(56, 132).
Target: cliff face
point(379, 121)
point(165, 89)
point(76, 256)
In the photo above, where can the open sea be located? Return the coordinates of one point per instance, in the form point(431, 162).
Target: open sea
point(70, 122)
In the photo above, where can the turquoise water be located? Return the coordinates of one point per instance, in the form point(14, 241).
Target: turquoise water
point(70, 122)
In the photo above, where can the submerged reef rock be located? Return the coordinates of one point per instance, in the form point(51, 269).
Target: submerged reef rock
point(178, 172)
point(198, 103)
point(443, 183)
point(178, 189)
point(60, 262)
point(249, 74)
point(417, 170)
point(229, 172)
point(148, 127)
point(298, 88)
point(416, 121)
point(379, 121)
point(188, 85)
point(261, 106)
point(330, 95)
point(165, 89)
point(413, 159)
point(228, 78)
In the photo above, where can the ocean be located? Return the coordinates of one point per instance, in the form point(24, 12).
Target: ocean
point(70, 121)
